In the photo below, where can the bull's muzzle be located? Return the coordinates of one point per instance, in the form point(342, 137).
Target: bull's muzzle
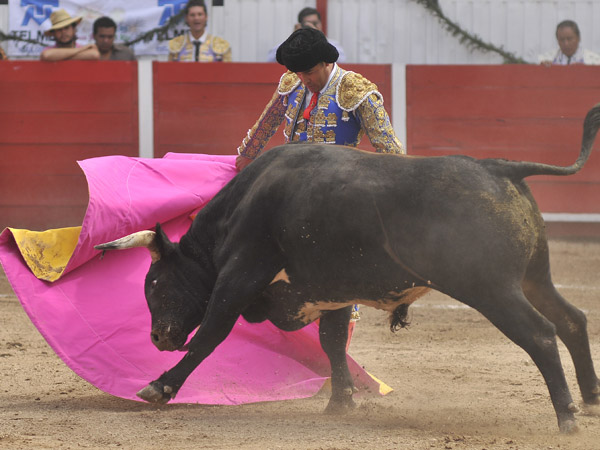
point(166, 339)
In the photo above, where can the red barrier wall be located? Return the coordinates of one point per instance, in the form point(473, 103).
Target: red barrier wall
point(51, 115)
point(208, 108)
point(516, 112)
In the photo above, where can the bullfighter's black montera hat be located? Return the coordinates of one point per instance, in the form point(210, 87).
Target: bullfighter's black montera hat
point(304, 49)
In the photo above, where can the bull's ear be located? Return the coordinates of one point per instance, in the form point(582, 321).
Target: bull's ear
point(162, 245)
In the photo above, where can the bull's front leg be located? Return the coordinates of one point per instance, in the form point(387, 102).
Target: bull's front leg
point(333, 334)
point(233, 292)
point(214, 329)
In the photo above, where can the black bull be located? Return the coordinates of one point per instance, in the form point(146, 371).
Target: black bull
point(307, 230)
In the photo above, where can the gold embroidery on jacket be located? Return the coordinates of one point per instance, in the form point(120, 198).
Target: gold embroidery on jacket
point(219, 45)
point(264, 128)
point(332, 119)
point(212, 49)
point(330, 137)
point(353, 89)
point(317, 135)
point(376, 124)
point(300, 128)
point(352, 93)
point(324, 100)
point(288, 83)
point(319, 118)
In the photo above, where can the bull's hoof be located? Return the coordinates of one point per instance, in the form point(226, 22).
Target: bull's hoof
point(340, 408)
point(341, 404)
point(568, 426)
point(155, 392)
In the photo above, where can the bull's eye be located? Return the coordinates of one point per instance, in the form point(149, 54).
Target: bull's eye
point(153, 283)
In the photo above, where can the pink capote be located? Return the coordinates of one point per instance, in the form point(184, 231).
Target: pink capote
point(95, 316)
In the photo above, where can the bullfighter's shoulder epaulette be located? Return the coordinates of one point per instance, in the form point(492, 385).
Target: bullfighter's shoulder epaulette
point(353, 89)
point(176, 44)
point(219, 45)
point(288, 82)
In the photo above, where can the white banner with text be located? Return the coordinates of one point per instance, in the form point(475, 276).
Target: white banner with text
point(29, 19)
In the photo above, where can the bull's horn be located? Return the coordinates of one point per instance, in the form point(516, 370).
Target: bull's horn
point(140, 239)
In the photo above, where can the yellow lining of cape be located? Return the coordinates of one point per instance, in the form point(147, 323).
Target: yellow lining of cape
point(47, 252)
point(384, 389)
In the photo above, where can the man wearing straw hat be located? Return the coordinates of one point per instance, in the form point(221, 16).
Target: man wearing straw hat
point(63, 30)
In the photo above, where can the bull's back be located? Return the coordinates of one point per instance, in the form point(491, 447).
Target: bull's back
point(438, 215)
point(318, 177)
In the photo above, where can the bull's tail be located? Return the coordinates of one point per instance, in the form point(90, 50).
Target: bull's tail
point(519, 170)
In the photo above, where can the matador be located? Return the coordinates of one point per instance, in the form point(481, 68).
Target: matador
point(320, 102)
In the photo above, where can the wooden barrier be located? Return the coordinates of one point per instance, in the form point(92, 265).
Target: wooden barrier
point(208, 108)
point(519, 112)
point(51, 115)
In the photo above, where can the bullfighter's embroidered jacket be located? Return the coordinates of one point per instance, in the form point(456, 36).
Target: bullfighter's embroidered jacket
point(212, 49)
point(350, 107)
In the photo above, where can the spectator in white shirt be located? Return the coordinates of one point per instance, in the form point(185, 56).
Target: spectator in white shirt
point(569, 51)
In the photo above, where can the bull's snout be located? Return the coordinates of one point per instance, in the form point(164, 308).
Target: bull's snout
point(166, 340)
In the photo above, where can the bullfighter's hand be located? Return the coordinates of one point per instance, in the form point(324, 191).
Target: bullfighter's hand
point(241, 162)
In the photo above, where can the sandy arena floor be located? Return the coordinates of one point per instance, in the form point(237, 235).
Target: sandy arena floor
point(459, 384)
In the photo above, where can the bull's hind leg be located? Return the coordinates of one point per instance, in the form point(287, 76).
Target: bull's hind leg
point(510, 311)
point(571, 327)
point(333, 334)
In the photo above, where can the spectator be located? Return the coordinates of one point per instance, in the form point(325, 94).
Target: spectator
point(63, 30)
point(569, 51)
point(310, 17)
point(104, 34)
point(2, 54)
point(197, 44)
point(320, 102)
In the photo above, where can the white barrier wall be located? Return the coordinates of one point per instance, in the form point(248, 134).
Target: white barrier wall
point(403, 31)
point(392, 31)
point(4, 16)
